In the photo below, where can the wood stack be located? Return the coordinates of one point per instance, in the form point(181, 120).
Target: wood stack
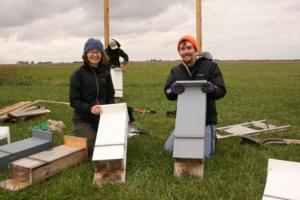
point(21, 111)
point(32, 169)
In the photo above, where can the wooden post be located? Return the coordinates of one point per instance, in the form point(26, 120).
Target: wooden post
point(106, 22)
point(199, 24)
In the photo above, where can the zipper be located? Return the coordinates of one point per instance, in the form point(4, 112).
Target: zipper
point(187, 69)
point(97, 85)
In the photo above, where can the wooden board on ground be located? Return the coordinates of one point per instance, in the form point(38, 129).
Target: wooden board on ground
point(27, 171)
point(248, 128)
point(14, 107)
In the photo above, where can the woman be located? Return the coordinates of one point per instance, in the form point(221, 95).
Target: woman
point(90, 87)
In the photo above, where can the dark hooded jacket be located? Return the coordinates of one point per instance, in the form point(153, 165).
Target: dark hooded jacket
point(88, 87)
point(114, 55)
point(203, 69)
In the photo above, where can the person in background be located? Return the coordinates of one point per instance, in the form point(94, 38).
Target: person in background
point(114, 52)
point(197, 68)
point(90, 87)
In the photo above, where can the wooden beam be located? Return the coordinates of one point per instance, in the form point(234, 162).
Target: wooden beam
point(199, 24)
point(106, 22)
point(13, 107)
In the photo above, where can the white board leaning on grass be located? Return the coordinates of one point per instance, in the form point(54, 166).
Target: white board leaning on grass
point(283, 180)
point(190, 121)
point(117, 79)
point(111, 140)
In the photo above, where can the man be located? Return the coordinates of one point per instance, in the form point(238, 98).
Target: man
point(194, 68)
point(114, 52)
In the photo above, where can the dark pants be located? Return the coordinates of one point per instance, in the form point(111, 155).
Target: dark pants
point(88, 131)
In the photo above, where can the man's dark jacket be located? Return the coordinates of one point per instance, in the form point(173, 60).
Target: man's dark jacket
point(88, 87)
point(203, 69)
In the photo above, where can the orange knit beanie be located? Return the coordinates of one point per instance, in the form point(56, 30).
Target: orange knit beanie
point(190, 39)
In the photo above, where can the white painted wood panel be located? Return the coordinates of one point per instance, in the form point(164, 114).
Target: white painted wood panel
point(111, 152)
point(111, 140)
point(283, 180)
point(190, 121)
point(117, 78)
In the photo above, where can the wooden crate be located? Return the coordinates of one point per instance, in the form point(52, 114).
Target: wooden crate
point(32, 169)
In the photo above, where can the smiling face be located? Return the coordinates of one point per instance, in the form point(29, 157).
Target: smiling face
point(94, 57)
point(187, 53)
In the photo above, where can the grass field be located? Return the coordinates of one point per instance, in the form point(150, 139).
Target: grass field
point(256, 90)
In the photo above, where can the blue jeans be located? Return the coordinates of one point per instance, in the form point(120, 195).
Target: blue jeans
point(209, 141)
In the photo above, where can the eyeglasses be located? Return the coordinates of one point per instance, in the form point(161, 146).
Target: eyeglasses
point(94, 52)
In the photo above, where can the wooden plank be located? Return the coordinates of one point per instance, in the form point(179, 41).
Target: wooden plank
point(54, 153)
point(10, 108)
point(74, 141)
point(20, 113)
point(41, 173)
point(14, 184)
point(189, 167)
point(109, 171)
point(28, 163)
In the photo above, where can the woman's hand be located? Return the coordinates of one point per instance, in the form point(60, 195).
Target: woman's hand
point(96, 109)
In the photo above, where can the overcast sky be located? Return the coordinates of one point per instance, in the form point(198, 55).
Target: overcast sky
point(56, 30)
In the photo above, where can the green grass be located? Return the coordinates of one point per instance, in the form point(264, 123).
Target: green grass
point(256, 90)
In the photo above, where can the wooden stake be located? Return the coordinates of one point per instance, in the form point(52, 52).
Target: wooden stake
point(106, 22)
point(199, 24)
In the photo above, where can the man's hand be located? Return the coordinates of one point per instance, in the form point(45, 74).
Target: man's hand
point(96, 110)
point(208, 87)
point(176, 88)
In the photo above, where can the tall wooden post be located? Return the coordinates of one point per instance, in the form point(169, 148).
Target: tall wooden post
point(199, 24)
point(106, 22)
